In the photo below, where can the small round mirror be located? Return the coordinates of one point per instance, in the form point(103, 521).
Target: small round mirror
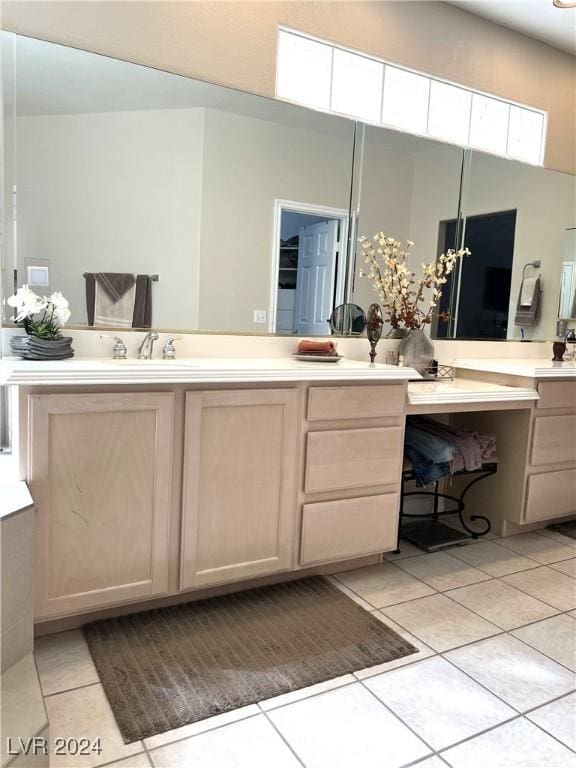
point(347, 320)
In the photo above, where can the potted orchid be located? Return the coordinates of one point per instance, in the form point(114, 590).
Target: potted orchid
point(409, 303)
point(42, 319)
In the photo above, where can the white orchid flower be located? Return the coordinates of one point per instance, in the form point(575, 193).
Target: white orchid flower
point(61, 307)
point(26, 302)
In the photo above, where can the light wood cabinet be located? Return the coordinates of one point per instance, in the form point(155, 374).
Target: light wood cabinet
point(353, 458)
point(551, 494)
point(336, 530)
point(100, 474)
point(239, 484)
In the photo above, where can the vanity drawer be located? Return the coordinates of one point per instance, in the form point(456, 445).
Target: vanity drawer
point(336, 530)
point(356, 402)
point(554, 440)
point(353, 458)
point(550, 495)
point(557, 394)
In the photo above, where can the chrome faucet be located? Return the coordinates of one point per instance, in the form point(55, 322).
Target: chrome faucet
point(145, 349)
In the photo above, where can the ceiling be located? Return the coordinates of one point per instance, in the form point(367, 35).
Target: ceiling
point(536, 18)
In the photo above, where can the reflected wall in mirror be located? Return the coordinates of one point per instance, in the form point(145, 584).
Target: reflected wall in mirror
point(240, 204)
point(567, 302)
point(517, 221)
point(410, 189)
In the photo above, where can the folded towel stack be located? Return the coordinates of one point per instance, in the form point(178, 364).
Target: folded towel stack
point(317, 348)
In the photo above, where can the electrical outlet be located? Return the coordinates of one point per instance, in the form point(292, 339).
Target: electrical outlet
point(259, 315)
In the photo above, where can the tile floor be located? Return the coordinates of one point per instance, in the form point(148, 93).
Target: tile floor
point(493, 683)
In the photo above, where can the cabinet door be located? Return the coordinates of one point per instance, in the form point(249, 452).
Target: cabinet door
point(239, 484)
point(100, 474)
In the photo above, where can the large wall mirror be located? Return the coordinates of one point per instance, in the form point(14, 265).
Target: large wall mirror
point(236, 206)
point(241, 214)
point(410, 190)
point(518, 222)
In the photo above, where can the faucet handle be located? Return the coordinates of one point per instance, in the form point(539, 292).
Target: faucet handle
point(169, 350)
point(119, 351)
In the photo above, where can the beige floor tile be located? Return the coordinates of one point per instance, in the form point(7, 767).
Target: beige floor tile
point(193, 729)
point(557, 536)
point(384, 584)
point(251, 743)
point(546, 584)
point(541, 548)
point(492, 558)
point(440, 703)
point(348, 592)
point(303, 693)
point(423, 651)
point(518, 674)
point(430, 762)
point(136, 761)
point(573, 614)
point(559, 719)
point(442, 571)
point(554, 637)
point(347, 727)
point(502, 604)
point(64, 662)
point(518, 744)
point(566, 566)
point(406, 550)
point(22, 712)
point(85, 712)
point(440, 622)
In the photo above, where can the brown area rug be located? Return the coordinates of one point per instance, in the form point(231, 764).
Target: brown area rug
point(164, 668)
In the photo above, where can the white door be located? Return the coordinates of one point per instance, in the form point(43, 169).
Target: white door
point(317, 247)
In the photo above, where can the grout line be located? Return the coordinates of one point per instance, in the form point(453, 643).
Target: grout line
point(539, 598)
point(549, 733)
point(150, 750)
point(281, 735)
point(406, 725)
point(119, 760)
point(69, 690)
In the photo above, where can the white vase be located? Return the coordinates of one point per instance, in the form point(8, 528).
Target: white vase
point(418, 350)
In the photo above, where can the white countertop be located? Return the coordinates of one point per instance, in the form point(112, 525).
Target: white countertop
point(532, 368)
point(192, 370)
point(465, 391)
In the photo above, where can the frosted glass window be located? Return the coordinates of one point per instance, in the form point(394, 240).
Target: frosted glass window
point(525, 134)
point(304, 70)
point(405, 103)
point(449, 114)
point(489, 124)
point(357, 85)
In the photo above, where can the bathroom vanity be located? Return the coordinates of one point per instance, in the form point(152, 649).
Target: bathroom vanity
point(156, 480)
point(204, 472)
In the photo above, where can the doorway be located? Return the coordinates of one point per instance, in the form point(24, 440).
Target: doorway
point(308, 267)
point(476, 298)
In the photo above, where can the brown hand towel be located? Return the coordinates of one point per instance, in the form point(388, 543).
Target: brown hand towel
point(305, 346)
point(115, 284)
point(528, 315)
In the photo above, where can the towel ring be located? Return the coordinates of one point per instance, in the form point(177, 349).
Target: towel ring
point(535, 264)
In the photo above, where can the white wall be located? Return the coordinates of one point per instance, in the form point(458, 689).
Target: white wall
point(187, 194)
point(114, 192)
point(546, 205)
point(410, 203)
point(249, 163)
point(407, 189)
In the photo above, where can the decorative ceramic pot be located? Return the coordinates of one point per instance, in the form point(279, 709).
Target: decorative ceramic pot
point(418, 350)
point(33, 348)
